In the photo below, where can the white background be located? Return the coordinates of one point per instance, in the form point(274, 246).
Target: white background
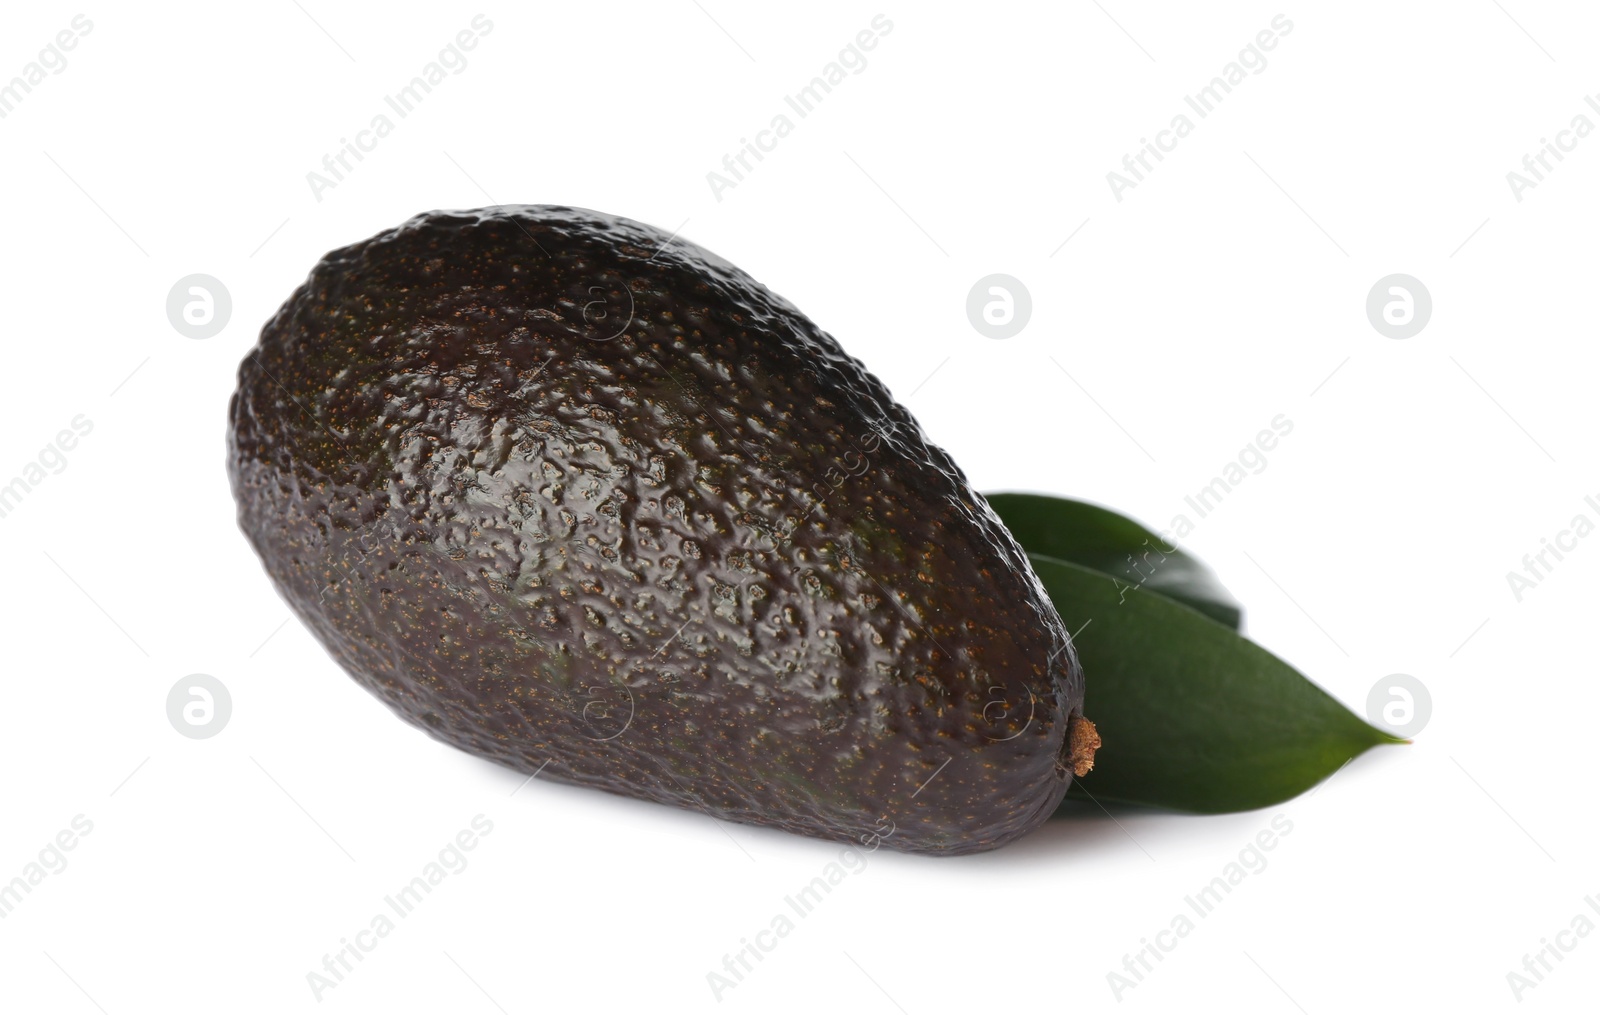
point(1227, 288)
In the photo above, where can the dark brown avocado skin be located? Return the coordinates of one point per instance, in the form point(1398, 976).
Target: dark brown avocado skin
point(584, 499)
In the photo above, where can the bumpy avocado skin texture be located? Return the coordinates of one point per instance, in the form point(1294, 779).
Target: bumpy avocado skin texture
point(584, 499)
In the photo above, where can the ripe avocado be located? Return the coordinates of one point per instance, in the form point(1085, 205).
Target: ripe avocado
point(587, 500)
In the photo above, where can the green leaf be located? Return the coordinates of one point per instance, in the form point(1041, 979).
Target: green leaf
point(1102, 540)
point(1191, 715)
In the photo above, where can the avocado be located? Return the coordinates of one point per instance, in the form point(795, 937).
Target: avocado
point(584, 499)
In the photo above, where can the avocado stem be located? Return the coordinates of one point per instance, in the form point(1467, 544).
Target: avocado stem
point(1082, 741)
